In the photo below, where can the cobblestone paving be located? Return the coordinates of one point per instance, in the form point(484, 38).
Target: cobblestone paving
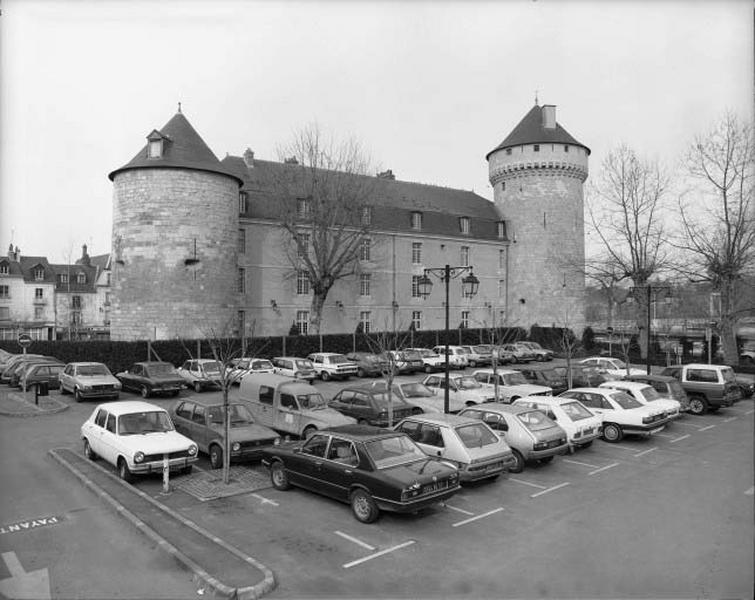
point(208, 485)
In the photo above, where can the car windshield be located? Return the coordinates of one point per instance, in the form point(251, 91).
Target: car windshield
point(467, 382)
point(416, 390)
point(303, 364)
point(476, 435)
point(535, 420)
point(650, 394)
point(481, 349)
point(144, 422)
point(160, 369)
point(238, 413)
point(412, 355)
point(514, 379)
point(211, 367)
point(575, 411)
point(93, 370)
point(311, 401)
point(617, 364)
point(262, 364)
point(625, 401)
point(391, 451)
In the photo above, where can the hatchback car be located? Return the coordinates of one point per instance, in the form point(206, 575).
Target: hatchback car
point(152, 377)
point(478, 355)
point(294, 366)
point(529, 432)
point(239, 368)
point(331, 365)
point(582, 427)
point(404, 362)
point(368, 363)
point(518, 354)
point(86, 380)
point(666, 386)
point(511, 384)
point(135, 436)
point(457, 356)
point(462, 388)
point(545, 377)
point(432, 361)
point(614, 368)
point(372, 469)
point(371, 406)
point(204, 422)
point(541, 354)
point(41, 373)
point(463, 441)
point(202, 374)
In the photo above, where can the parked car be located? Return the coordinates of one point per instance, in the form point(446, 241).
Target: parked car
point(666, 386)
point(294, 366)
point(529, 432)
point(372, 469)
point(581, 375)
point(431, 361)
point(582, 427)
point(621, 413)
point(20, 369)
point(478, 355)
point(12, 362)
point(541, 354)
point(368, 364)
point(472, 446)
point(202, 374)
point(134, 436)
point(511, 384)
point(501, 356)
point(462, 388)
point(241, 367)
point(614, 368)
point(370, 406)
point(151, 378)
point(747, 355)
point(404, 362)
point(746, 383)
point(429, 400)
point(5, 356)
point(86, 380)
point(518, 354)
point(16, 366)
point(41, 373)
point(709, 387)
point(545, 377)
point(288, 405)
point(457, 356)
point(204, 422)
point(331, 365)
point(647, 395)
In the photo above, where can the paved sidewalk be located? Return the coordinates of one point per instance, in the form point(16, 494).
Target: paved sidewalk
point(17, 403)
point(208, 485)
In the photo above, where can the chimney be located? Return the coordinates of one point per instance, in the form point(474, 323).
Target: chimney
point(387, 175)
point(549, 116)
point(249, 158)
point(85, 257)
point(291, 160)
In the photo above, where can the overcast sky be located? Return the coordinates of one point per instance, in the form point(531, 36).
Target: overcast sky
point(427, 87)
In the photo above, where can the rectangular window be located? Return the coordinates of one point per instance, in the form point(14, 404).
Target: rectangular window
point(76, 302)
point(503, 186)
point(364, 249)
point(537, 148)
point(39, 293)
point(566, 148)
point(302, 321)
point(81, 278)
point(38, 313)
point(4, 291)
point(366, 215)
point(508, 151)
point(64, 278)
point(302, 248)
point(501, 259)
point(501, 288)
point(501, 230)
point(76, 318)
point(465, 319)
point(4, 313)
point(241, 283)
point(242, 203)
point(242, 241)
point(155, 149)
point(464, 224)
point(39, 274)
point(303, 208)
point(3, 269)
point(417, 220)
point(415, 286)
point(107, 298)
point(417, 319)
point(416, 253)
point(365, 279)
point(302, 282)
point(365, 320)
point(464, 257)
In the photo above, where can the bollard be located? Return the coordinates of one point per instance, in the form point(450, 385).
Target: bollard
point(166, 474)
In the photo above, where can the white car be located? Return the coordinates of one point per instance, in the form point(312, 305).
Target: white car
point(457, 356)
point(294, 366)
point(331, 365)
point(620, 412)
point(134, 436)
point(429, 400)
point(511, 384)
point(432, 360)
point(647, 395)
point(478, 355)
point(241, 367)
point(89, 380)
point(462, 388)
point(613, 367)
point(581, 425)
point(201, 373)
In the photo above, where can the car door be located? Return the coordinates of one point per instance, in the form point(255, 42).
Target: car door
point(199, 427)
point(65, 378)
point(307, 465)
point(339, 468)
point(95, 432)
point(289, 413)
point(431, 440)
point(109, 440)
point(133, 377)
point(182, 420)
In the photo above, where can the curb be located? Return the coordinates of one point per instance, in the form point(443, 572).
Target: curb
point(34, 410)
point(246, 593)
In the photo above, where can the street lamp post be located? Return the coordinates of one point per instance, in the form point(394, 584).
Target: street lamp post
point(650, 289)
point(469, 286)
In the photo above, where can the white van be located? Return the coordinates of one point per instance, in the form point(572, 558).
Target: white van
point(288, 405)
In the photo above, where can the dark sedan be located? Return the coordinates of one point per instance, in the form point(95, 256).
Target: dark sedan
point(369, 406)
point(547, 377)
point(372, 469)
point(368, 364)
point(152, 377)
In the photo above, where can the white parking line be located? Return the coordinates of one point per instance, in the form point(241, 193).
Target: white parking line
point(730, 419)
point(679, 439)
point(487, 514)
point(550, 489)
point(265, 500)
point(646, 451)
point(542, 487)
point(706, 428)
point(749, 412)
point(603, 468)
point(371, 556)
point(620, 447)
point(662, 435)
point(355, 540)
point(576, 462)
point(461, 510)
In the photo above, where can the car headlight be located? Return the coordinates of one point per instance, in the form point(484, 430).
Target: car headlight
point(193, 450)
point(236, 446)
point(276, 441)
point(86, 387)
point(117, 385)
point(138, 457)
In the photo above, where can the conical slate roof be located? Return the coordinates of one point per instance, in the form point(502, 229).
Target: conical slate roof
point(183, 148)
point(531, 131)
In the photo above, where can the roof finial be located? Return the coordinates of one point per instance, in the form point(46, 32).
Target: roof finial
point(179, 108)
point(536, 103)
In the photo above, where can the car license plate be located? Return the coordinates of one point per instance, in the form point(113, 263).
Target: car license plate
point(493, 467)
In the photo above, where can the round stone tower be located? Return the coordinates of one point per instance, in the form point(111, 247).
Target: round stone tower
point(175, 239)
point(537, 174)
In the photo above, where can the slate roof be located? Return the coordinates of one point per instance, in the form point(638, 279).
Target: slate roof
point(530, 130)
point(183, 148)
point(73, 271)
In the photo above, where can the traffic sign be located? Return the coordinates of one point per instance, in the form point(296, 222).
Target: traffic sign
point(24, 340)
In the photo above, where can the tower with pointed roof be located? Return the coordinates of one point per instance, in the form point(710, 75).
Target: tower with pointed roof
point(175, 224)
point(537, 174)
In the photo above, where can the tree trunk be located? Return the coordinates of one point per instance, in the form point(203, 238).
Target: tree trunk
point(318, 302)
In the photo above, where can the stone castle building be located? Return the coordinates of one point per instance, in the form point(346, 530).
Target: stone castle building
point(199, 250)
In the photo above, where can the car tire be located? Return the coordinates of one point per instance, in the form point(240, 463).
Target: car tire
point(612, 433)
point(77, 395)
point(362, 422)
point(472, 364)
point(518, 466)
point(144, 391)
point(124, 472)
point(279, 477)
point(513, 360)
point(324, 375)
point(363, 506)
point(197, 387)
point(88, 452)
point(698, 405)
point(216, 457)
point(308, 431)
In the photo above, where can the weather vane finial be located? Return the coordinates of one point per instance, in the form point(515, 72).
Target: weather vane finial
point(536, 103)
point(179, 107)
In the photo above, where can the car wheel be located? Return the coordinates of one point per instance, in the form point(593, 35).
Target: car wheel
point(77, 395)
point(324, 375)
point(308, 431)
point(144, 391)
point(513, 360)
point(216, 456)
point(698, 405)
point(360, 372)
point(123, 471)
point(612, 433)
point(88, 452)
point(363, 506)
point(362, 422)
point(197, 387)
point(472, 363)
point(518, 465)
point(428, 369)
point(278, 476)
point(546, 460)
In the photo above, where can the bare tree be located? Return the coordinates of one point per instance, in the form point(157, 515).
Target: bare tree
point(718, 221)
point(326, 197)
point(626, 210)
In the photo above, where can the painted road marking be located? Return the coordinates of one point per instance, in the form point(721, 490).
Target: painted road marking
point(30, 524)
point(603, 468)
point(706, 428)
point(265, 500)
point(22, 585)
point(355, 540)
point(550, 489)
point(750, 492)
point(377, 554)
point(690, 425)
point(620, 447)
point(487, 514)
point(576, 462)
point(663, 435)
point(646, 452)
point(679, 439)
point(730, 419)
point(461, 510)
point(749, 412)
point(542, 487)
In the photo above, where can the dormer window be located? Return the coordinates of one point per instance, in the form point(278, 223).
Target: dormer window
point(501, 230)
point(417, 220)
point(464, 225)
point(63, 278)
point(155, 145)
point(81, 278)
point(39, 274)
point(4, 268)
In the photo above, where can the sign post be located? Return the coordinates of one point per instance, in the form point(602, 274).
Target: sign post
point(24, 340)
